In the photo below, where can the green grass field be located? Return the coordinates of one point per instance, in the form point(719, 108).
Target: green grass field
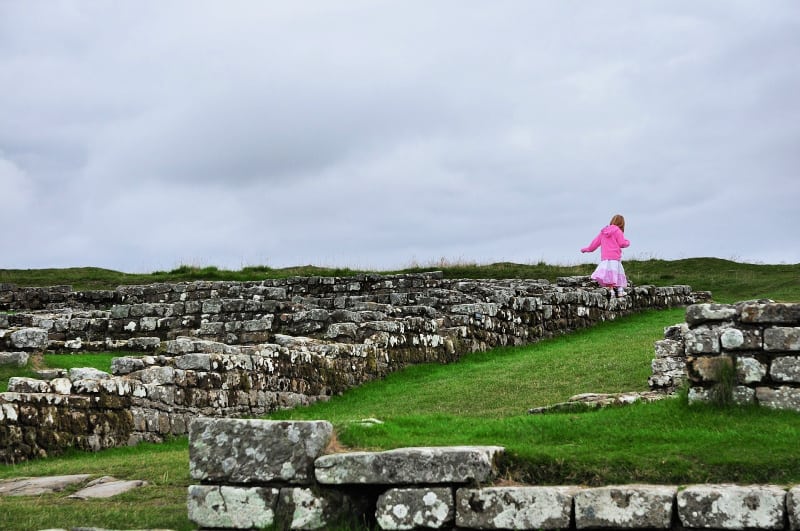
point(483, 399)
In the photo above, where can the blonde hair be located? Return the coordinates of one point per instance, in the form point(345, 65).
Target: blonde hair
point(619, 221)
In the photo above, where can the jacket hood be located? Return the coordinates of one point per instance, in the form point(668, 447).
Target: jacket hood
point(609, 230)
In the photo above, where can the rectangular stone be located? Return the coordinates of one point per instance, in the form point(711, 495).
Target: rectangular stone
point(669, 348)
point(702, 341)
point(434, 465)
point(625, 507)
point(773, 312)
point(701, 313)
point(732, 507)
point(515, 507)
point(213, 506)
point(779, 398)
point(785, 369)
point(793, 508)
point(779, 338)
point(741, 339)
point(252, 451)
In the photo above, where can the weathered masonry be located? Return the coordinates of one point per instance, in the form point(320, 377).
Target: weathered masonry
point(282, 478)
point(232, 349)
point(746, 353)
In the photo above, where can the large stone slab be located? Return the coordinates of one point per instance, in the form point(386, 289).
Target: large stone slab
point(39, 485)
point(779, 398)
point(29, 338)
point(782, 338)
point(515, 507)
point(107, 487)
point(212, 506)
point(431, 465)
point(732, 507)
point(250, 450)
point(701, 313)
point(625, 507)
point(412, 508)
point(17, 359)
point(770, 313)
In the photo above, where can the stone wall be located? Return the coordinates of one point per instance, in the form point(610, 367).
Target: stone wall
point(285, 343)
point(747, 352)
point(283, 478)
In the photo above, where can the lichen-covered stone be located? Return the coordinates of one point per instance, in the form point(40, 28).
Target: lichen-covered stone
point(17, 359)
point(741, 339)
point(515, 507)
point(29, 338)
point(750, 370)
point(249, 450)
point(702, 341)
point(413, 508)
point(793, 508)
point(212, 506)
point(772, 312)
point(307, 508)
point(669, 348)
point(782, 338)
point(624, 507)
point(701, 313)
point(435, 465)
point(783, 397)
point(785, 369)
point(732, 507)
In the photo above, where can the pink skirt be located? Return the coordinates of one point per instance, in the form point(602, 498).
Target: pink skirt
point(610, 273)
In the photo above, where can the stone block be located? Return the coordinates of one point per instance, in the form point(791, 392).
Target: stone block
point(435, 465)
point(706, 368)
point(126, 365)
point(749, 370)
point(193, 362)
point(773, 312)
point(413, 508)
point(779, 398)
point(87, 373)
point(249, 450)
point(669, 348)
point(785, 369)
point(625, 507)
point(779, 338)
point(29, 338)
point(306, 508)
point(16, 359)
point(702, 341)
point(732, 507)
point(793, 508)
point(701, 313)
point(515, 507)
point(232, 507)
point(20, 384)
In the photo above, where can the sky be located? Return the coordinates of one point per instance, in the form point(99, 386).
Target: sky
point(382, 134)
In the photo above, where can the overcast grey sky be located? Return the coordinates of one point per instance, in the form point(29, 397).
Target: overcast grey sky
point(141, 136)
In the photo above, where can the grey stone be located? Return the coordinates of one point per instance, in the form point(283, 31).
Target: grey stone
point(17, 359)
point(770, 313)
point(732, 507)
point(306, 508)
point(106, 487)
point(126, 365)
point(143, 343)
point(779, 398)
point(702, 341)
point(779, 338)
point(515, 507)
point(29, 338)
point(249, 450)
point(701, 313)
point(20, 384)
point(743, 395)
point(157, 375)
point(196, 362)
point(434, 465)
point(87, 373)
point(413, 508)
point(40, 485)
point(669, 348)
point(793, 508)
point(232, 507)
point(785, 369)
point(625, 507)
point(750, 370)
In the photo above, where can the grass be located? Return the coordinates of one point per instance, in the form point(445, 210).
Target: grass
point(482, 400)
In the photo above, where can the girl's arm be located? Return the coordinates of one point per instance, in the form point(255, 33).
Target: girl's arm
point(592, 246)
point(622, 241)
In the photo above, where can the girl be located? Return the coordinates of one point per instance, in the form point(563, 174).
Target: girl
point(611, 241)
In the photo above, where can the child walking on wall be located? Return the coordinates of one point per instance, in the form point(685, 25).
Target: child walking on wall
point(611, 240)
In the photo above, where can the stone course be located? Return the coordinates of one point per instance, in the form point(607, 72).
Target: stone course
point(395, 500)
point(235, 349)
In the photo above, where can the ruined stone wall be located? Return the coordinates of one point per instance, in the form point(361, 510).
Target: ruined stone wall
point(284, 343)
point(283, 478)
point(746, 353)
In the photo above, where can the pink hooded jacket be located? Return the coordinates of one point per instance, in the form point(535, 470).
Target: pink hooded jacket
point(611, 241)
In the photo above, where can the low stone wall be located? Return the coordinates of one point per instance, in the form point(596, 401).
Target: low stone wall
point(747, 352)
point(255, 473)
point(358, 329)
